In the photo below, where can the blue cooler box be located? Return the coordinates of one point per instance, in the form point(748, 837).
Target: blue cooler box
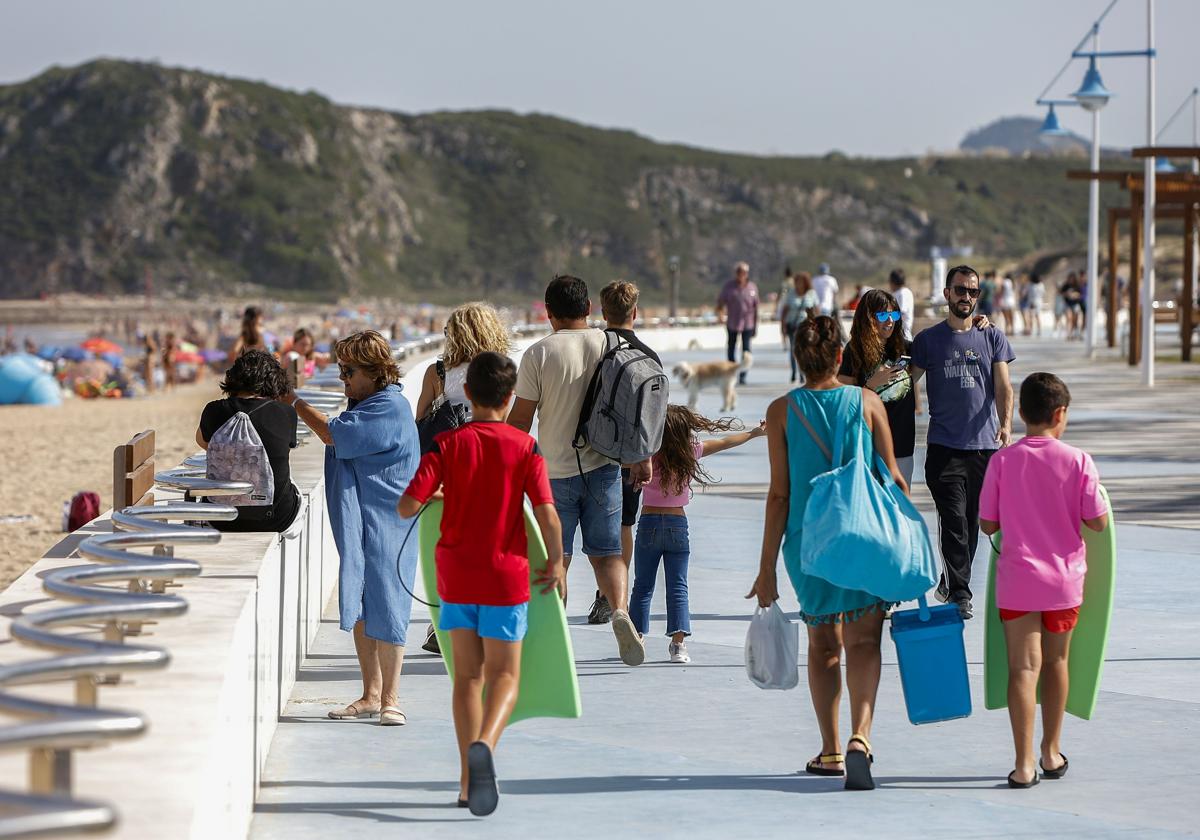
point(933, 662)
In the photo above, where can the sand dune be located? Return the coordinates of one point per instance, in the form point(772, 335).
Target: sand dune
point(47, 454)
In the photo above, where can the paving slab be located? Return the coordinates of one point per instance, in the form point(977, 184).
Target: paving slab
point(697, 751)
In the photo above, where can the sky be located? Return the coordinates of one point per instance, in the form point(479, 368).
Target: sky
point(879, 78)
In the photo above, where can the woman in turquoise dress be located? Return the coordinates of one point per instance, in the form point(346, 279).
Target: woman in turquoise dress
point(371, 454)
point(837, 619)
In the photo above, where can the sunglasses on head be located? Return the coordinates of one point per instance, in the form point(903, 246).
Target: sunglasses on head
point(963, 291)
point(346, 371)
point(884, 317)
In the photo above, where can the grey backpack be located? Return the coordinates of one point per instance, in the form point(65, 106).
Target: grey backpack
point(236, 453)
point(626, 405)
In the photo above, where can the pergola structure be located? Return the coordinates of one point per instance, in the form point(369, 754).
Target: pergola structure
point(1177, 196)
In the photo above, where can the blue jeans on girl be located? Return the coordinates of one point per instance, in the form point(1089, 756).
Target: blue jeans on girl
point(661, 537)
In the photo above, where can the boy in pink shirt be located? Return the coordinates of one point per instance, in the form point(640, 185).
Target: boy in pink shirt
point(1038, 491)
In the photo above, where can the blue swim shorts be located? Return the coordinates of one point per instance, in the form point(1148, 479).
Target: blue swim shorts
point(508, 624)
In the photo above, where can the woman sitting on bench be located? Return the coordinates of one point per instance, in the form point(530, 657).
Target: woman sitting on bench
point(254, 385)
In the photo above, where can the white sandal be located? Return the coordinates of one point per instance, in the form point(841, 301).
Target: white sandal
point(392, 716)
point(352, 712)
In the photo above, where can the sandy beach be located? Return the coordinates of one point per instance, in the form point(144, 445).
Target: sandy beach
point(47, 454)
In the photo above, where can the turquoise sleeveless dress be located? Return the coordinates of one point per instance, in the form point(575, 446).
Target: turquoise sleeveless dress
point(820, 601)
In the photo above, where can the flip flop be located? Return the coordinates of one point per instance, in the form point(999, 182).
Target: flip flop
point(482, 794)
point(815, 767)
point(1057, 772)
point(392, 716)
point(1013, 783)
point(352, 712)
point(462, 803)
point(858, 765)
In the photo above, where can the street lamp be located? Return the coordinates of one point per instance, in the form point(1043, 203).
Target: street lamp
point(1092, 96)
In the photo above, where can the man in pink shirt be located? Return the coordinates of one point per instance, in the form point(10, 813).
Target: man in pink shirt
point(1039, 491)
point(738, 304)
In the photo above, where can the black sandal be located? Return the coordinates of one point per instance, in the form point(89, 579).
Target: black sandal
point(1013, 783)
point(1057, 772)
point(858, 765)
point(816, 766)
point(482, 793)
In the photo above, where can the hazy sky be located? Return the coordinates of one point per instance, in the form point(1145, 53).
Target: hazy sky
point(871, 77)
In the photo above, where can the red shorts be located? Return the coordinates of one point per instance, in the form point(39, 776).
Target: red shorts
point(1055, 621)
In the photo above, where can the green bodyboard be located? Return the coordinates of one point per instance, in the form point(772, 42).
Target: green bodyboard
point(549, 686)
point(1088, 644)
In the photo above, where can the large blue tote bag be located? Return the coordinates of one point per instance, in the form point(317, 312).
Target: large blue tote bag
point(860, 531)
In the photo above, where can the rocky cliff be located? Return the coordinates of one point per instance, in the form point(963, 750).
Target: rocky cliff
point(115, 170)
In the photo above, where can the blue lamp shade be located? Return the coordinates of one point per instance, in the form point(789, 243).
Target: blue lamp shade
point(1092, 95)
point(1164, 166)
point(1050, 125)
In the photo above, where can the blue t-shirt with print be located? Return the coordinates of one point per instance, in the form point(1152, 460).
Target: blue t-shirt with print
point(958, 377)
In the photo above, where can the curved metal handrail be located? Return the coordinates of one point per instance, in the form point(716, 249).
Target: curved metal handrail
point(51, 730)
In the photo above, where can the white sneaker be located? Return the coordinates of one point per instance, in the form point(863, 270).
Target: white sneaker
point(679, 653)
point(629, 643)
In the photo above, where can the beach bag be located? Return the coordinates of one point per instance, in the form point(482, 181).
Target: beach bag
point(625, 407)
point(772, 649)
point(442, 416)
point(82, 509)
point(236, 453)
point(860, 531)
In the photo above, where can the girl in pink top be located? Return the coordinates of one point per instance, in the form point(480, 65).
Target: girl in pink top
point(662, 533)
point(1038, 491)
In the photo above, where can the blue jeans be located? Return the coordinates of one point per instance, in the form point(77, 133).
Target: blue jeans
point(590, 503)
point(661, 537)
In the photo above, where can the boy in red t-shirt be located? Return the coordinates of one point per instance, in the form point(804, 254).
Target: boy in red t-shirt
point(485, 469)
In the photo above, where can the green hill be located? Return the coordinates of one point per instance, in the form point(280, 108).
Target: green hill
point(115, 169)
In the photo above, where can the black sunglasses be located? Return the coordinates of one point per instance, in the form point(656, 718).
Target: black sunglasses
point(346, 371)
point(962, 291)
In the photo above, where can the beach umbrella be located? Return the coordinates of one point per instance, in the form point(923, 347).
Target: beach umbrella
point(49, 352)
point(76, 354)
point(114, 359)
point(100, 346)
point(183, 358)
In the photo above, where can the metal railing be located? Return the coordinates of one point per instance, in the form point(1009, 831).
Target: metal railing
point(52, 730)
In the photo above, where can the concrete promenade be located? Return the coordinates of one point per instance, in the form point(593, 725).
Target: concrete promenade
point(697, 751)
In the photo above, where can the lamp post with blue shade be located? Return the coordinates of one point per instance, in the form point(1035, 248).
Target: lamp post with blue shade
point(1092, 96)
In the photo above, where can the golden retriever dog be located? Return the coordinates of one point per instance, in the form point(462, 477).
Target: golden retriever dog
point(724, 374)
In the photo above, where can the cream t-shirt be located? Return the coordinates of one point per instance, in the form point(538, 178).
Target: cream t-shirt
point(555, 373)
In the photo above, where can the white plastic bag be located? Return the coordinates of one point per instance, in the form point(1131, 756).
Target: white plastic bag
point(773, 649)
point(236, 453)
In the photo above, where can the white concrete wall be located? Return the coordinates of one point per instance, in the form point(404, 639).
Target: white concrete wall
point(251, 617)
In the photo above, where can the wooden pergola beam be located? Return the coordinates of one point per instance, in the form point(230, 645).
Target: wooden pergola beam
point(1167, 151)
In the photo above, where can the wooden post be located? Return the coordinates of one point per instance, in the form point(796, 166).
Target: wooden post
point(1190, 223)
point(1114, 286)
point(1135, 282)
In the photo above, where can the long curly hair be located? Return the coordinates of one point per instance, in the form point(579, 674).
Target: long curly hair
point(256, 372)
point(676, 464)
point(866, 350)
point(471, 329)
point(371, 352)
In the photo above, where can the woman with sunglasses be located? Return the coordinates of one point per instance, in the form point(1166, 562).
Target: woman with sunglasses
point(371, 454)
point(876, 357)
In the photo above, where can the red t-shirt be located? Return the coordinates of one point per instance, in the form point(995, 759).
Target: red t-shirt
point(485, 469)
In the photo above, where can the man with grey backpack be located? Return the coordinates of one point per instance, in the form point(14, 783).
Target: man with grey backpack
point(249, 436)
point(553, 382)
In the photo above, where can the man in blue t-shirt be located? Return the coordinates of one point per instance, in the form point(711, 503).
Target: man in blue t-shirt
point(970, 417)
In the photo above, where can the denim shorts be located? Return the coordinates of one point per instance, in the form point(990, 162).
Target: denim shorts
point(591, 503)
point(508, 624)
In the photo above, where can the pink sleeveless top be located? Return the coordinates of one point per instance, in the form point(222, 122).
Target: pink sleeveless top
point(654, 495)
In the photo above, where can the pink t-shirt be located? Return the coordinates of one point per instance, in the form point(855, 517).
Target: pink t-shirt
point(1040, 490)
point(655, 496)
